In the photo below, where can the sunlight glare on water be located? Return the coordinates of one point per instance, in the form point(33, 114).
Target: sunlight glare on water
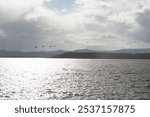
point(38, 78)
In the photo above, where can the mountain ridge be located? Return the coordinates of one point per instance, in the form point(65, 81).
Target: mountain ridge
point(80, 53)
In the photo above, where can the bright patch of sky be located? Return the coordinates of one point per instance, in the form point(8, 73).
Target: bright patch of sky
point(60, 5)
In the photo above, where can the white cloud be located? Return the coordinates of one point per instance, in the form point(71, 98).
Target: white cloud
point(96, 24)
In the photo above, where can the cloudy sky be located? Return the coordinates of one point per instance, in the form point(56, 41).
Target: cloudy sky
point(74, 24)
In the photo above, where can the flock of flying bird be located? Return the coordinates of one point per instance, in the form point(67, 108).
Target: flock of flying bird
point(43, 46)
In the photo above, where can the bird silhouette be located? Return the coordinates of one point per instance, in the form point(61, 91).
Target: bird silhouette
point(35, 46)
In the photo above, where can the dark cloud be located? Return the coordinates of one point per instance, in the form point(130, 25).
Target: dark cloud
point(143, 20)
point(24, 35)
point(143, 33)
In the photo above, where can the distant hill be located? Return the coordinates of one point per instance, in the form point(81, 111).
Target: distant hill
point(46, 54)
point(95, 55)
point(118, 54)
point(82, 53)
point(85, 50)
point(147, 50)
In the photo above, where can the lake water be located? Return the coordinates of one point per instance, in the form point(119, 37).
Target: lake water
point(48, 79)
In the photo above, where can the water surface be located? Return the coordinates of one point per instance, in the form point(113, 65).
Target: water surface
point(48, 79)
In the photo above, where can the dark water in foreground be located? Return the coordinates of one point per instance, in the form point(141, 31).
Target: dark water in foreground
point(26, 78)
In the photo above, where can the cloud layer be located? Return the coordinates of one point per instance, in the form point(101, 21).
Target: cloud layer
point(92, 24)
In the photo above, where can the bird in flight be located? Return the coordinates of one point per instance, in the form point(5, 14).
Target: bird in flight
point(35, 46)
point(51, 46)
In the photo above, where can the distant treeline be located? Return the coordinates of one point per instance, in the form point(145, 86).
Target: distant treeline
point(92, 55)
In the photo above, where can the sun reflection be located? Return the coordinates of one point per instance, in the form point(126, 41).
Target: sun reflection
point(26, 77)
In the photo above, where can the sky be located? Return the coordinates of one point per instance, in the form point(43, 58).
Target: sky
point(47, 25)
